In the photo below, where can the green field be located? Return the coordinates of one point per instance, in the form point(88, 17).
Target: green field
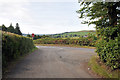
point(73, 34)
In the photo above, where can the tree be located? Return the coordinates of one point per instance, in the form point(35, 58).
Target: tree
point(106, 17)
point(11, 28)
point(17, 29)
point(28, 35)
point(0, 27)
point(4, 28)
point(38, 36)
point(75, 35)
point(103, 15)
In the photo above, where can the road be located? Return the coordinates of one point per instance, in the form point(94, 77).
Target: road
point(54, 62)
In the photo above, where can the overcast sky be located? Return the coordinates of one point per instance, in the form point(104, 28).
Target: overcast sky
point(42, 16)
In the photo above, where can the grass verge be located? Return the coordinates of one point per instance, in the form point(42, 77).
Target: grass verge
point(101, 69)
point(13, 63)
point(63, 45)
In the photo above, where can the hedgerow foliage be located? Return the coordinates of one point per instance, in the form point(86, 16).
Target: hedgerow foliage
point(82, 41)
point(108, 48)
point(106, 17)
point(13, 46)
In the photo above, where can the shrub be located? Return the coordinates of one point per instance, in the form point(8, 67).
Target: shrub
point(108, 48)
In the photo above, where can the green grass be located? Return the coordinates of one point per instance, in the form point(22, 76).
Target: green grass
point(78, 33)
point(81, 33)
point(101, 69)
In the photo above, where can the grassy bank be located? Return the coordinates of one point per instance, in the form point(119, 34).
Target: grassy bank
point(64, 45)
point(101, 69)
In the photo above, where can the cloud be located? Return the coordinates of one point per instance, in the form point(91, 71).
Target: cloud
point(39, 0)
point(13, 12)
point(41, 18)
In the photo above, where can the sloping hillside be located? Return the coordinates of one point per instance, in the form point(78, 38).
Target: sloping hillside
point(74, 34)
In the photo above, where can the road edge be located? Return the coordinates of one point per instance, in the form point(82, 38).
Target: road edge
point(13, 63)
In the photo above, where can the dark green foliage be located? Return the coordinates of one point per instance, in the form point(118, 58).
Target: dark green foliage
point(4, 28)
point(11, 29)
point(105, 16)
point(38, 36)
point(13, 46)
point(109, 52)
point(0, 27)
point(17, 29)
point(108, 48)
point(29, 35)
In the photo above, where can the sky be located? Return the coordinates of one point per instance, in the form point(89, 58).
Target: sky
point(42, 16)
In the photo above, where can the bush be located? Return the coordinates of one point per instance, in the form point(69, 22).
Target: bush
point(13, 46)
point(109, 52)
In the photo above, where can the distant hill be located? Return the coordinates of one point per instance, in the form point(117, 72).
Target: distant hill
point(73, 34)
point(87, 31)
point(69, 34)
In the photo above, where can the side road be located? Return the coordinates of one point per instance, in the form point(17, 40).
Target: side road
point(54, 62)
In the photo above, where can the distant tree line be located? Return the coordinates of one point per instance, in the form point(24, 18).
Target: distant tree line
point(66, 36)
point(38, 36)
point(55, 36)
point(11, 29)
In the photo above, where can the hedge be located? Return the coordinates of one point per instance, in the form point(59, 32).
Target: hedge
point(109, 52)
point(82, 41)
point(13, 46)
point(108, 47)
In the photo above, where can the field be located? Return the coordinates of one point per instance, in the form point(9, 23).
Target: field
point(73, 34)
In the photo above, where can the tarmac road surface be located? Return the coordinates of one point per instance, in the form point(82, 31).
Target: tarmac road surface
point(53, 62)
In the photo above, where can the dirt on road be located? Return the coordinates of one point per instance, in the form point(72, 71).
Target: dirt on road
point(54, 62)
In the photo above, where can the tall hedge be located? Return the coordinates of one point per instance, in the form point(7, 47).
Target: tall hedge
point(13, 46)
point(108, 48)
